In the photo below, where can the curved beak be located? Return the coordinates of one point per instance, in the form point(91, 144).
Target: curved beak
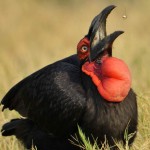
point(99, 41)
point(97, 30)
point(104, 44)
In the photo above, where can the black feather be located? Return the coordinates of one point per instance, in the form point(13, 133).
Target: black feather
point(57, 98)
point(31, 136)
point(108, 119)
point(51, 96)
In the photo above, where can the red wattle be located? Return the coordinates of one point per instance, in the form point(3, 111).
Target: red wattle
point(112, 78)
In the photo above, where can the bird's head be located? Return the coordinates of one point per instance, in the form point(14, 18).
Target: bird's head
point(110, 75)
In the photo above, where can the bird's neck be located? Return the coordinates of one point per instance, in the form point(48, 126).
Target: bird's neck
point(112, 78)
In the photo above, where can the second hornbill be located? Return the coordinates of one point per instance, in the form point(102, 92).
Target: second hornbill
point(91, 89)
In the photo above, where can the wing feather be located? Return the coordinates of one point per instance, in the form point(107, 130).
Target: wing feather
point(51, 97)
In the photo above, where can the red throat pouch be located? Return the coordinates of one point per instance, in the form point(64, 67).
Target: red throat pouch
point(112, 78)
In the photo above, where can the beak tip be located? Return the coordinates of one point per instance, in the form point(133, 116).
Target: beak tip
point(111, 7)
point(119, 32)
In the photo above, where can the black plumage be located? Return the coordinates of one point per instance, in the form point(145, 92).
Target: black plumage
point(108, 120)
point(60, 96)
point(48, 93)
point(52, 99)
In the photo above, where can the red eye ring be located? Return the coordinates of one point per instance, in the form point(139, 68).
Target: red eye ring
point(84, 49)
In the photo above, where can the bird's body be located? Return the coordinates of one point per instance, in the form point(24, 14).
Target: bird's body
point(65, 94)
point(109, 118)
point(46, 99)
point(48, 93)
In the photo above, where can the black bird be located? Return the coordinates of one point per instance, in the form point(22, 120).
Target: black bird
point(91, 89)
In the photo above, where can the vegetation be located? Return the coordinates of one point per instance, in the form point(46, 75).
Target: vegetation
point(35, 33)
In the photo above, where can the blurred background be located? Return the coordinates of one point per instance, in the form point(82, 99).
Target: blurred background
point(35, 33)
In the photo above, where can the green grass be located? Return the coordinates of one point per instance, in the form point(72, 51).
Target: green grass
point(34, 33)
point(84, 143)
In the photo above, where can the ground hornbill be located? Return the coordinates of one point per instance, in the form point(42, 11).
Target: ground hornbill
point(91, 89)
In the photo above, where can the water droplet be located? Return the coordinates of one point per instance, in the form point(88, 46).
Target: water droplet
point(124, 16)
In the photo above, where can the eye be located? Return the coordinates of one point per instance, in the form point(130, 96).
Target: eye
point(84, 49)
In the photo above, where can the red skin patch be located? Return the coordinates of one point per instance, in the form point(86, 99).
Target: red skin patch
point(112, 78)
point(83, 54)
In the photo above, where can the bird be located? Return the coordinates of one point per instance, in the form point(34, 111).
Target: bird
point(90, 89)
